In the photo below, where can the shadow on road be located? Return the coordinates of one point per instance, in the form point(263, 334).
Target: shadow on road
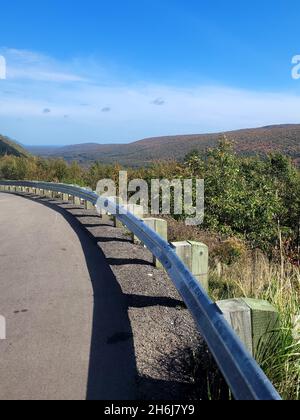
point(113, 372)
point(112, 365)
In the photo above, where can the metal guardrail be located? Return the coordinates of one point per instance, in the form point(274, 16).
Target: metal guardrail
point(245, 378)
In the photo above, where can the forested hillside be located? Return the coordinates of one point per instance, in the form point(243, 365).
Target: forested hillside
point(9, 147)
point(250, 142)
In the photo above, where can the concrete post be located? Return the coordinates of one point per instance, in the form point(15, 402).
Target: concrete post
point(195, 256)
point(253, 320)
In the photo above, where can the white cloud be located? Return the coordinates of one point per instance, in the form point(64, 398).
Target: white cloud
point(28, 65)
point(186, 110)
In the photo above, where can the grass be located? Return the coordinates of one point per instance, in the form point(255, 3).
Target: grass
point(256, 277)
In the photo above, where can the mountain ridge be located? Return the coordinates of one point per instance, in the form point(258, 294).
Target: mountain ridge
point(11, 148)
point(283, 138)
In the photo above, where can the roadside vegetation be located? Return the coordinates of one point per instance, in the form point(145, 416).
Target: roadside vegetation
point(252, 227)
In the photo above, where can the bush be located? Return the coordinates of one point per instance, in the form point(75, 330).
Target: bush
point(230, 251)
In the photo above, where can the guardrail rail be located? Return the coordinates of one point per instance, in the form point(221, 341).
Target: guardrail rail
point(243, 375)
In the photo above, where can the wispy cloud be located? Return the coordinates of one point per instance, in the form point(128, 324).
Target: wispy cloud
point(28, 65)
point(73, 92)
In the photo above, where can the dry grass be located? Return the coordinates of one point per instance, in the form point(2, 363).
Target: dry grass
point(237, 272)
point(179, 231)
point(256, 277)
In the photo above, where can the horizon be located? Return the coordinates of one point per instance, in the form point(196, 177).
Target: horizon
point(150, 138)
point(145, 69)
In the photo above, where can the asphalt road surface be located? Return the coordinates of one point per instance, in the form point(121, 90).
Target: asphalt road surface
point(66, 318)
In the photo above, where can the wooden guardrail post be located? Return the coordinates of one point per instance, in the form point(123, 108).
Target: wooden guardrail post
point(135, 209)
point(254, 321)
point(88, 205)
point(76, 201)
point(195, 257)
point(159, 226)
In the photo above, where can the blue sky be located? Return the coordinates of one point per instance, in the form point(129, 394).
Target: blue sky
point(117, 71)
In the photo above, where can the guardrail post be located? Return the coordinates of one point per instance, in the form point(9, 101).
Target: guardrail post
point(254, 321)
point(159, 226)
point(65, 198)
point(195, 257)
point(76, 201)
point(88, 205)
point(200, 262)
point(119, 202)
point(135, 209)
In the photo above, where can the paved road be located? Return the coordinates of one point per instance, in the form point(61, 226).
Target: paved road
point(68, 332)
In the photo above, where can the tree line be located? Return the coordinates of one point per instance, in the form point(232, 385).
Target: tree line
point(254, 198)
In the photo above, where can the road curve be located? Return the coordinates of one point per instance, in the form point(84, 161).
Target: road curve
point(64, 310)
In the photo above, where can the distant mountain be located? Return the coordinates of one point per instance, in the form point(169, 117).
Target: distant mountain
point(9, 147)
point(282, 138)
